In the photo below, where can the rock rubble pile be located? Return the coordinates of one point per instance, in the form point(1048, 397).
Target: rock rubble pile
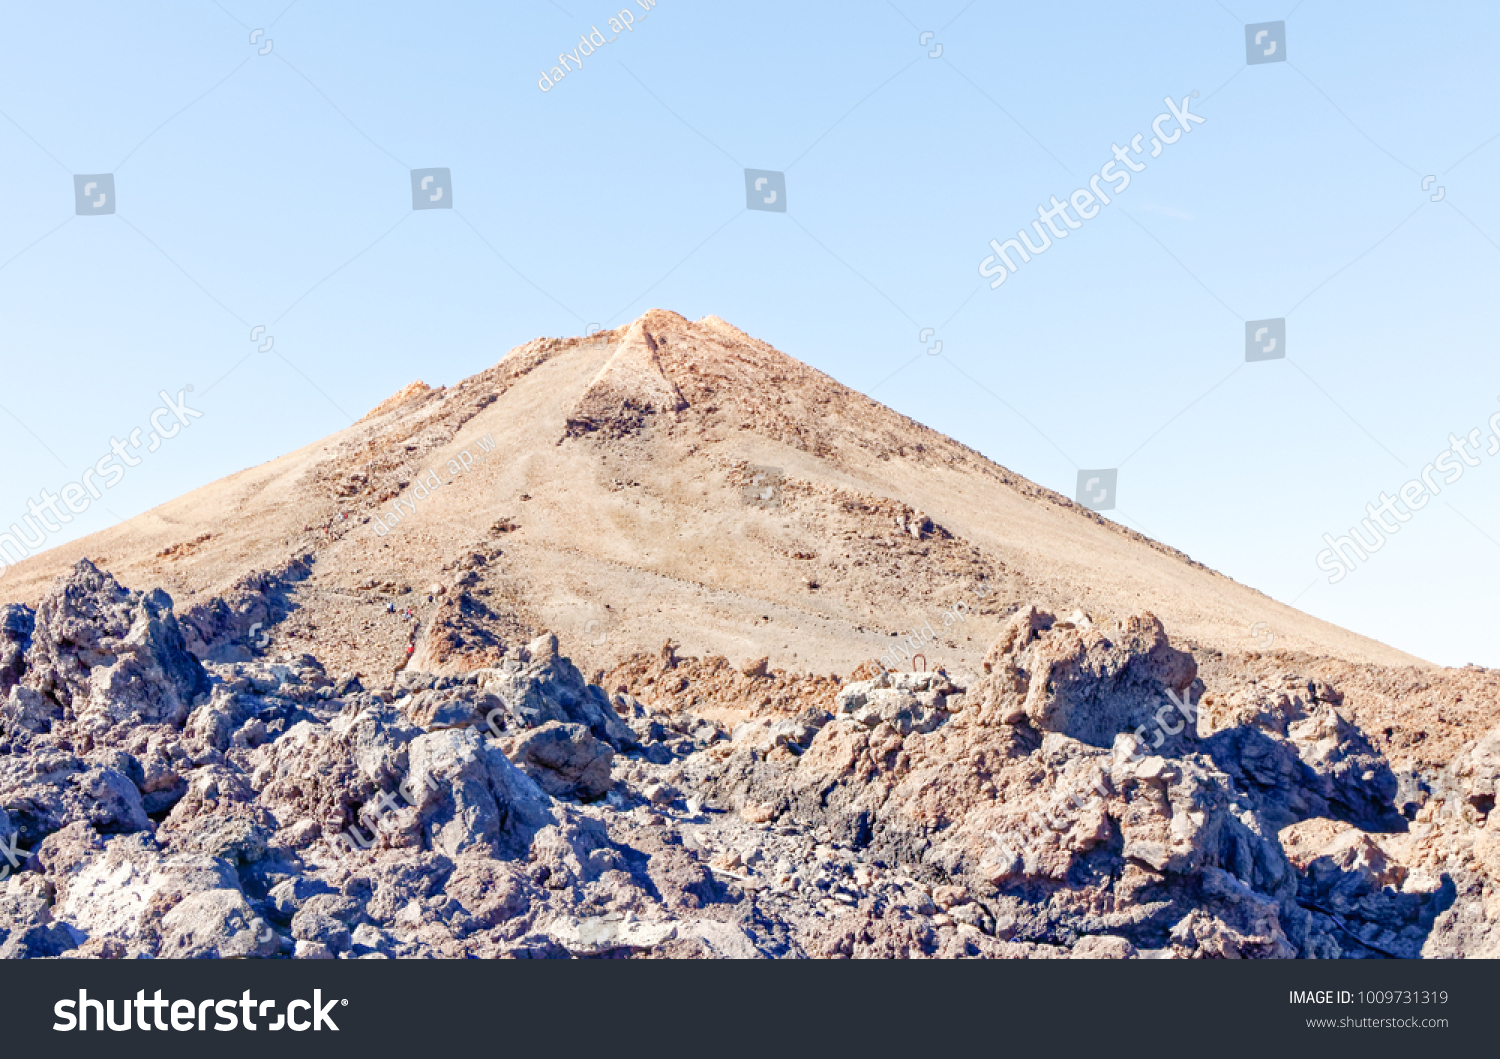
point(1085, 795)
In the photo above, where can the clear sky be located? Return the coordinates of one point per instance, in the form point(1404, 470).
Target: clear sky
point(270, 186)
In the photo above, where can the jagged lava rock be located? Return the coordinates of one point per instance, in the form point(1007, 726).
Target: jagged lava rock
point(98, 648)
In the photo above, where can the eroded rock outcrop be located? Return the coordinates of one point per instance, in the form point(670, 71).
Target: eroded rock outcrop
point(1086, 683)
point(114, 656)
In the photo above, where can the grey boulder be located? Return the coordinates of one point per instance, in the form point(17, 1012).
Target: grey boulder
point(216, 924)
point(565, 760)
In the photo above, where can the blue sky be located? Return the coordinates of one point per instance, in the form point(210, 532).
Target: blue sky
point(274, 190)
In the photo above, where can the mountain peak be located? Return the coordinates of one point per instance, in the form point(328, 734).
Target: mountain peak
point(666, 481)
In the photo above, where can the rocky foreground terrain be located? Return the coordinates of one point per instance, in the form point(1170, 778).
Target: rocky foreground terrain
point(1090, 790)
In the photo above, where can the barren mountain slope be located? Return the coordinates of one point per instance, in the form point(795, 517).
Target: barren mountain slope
point(612, 512)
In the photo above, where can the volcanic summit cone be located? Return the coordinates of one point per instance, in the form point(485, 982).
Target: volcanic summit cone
point(619, 507)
